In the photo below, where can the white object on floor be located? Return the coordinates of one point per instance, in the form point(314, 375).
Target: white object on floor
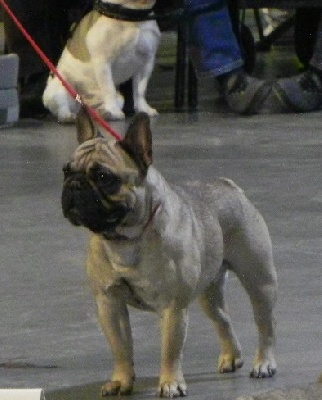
point(22, 394)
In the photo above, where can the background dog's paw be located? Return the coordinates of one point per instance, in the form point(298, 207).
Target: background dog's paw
point(113, 115)
point(66, 118)
point(170, 389)
point(152, 112)
point(264, 369)
point(115, 388)
point(228, 363)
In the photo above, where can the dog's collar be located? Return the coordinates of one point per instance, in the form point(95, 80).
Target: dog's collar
point(151, 217)
point(117, 11)
point(145, 227)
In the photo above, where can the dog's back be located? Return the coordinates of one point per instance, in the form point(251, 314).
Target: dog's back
point(243, 227)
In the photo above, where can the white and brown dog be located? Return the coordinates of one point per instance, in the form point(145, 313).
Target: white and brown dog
point(102, 53)
point(157, 247)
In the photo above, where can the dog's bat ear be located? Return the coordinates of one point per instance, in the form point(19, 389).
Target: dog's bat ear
point(85, 127)
point(138, 141)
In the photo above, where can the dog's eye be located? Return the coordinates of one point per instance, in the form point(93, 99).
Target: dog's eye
point(107, 179)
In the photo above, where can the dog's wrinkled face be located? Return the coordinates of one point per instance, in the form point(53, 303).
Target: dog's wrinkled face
point(95, 194)
point(103, 178)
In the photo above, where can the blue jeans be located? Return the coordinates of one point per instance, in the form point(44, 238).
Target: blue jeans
point(214, 49)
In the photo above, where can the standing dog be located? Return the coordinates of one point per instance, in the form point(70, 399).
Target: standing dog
point(102, 53)
point(158, 247)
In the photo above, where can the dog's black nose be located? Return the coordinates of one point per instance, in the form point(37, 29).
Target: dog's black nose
point(69, 204)
point(67, 200)
point(76, 184)
point(73, 186)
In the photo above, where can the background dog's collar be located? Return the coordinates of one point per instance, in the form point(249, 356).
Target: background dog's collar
point(117, 11)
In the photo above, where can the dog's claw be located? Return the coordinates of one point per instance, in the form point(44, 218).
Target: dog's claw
point(227, 365)
point(172, 389)
point(263, 370)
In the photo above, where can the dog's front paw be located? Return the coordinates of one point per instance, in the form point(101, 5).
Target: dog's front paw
point(152, 112)
point(144, 107)
point(228, 363)
point(170, 389)
point(115, 388)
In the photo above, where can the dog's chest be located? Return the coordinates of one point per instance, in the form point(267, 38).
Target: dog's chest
point(136, 51)
point(144, 277)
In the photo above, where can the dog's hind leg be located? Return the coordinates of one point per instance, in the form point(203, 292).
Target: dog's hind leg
point(263, 297)
point(252, 261)
point(213, 303)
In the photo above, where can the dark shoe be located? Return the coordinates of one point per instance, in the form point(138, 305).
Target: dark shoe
point(32, 107)
point(300, 93)
point(244, 94)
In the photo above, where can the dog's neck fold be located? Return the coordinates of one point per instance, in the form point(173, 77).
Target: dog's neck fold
point(137, 231)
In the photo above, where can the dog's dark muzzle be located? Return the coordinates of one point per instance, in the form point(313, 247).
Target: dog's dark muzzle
point(84, 205)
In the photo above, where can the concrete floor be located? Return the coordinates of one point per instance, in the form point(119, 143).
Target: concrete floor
point(49, 334)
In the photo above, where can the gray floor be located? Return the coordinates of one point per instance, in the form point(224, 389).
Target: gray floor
point(49, 334)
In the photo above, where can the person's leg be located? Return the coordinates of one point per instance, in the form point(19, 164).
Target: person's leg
point(33, 19)
point(305, 33)
point(214, 48)
point(32, 71)
point(214, 51)
point(47, 22)
point(303, 92)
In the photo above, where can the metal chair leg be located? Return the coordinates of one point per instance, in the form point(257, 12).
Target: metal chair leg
point(181, 66)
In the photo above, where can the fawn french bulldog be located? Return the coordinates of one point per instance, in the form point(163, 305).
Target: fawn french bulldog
point(158, 247)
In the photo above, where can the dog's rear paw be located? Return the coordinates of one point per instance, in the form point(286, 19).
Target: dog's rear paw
point(67, 118)
point(115, 388)
point(227, 363)
point(170, 389)
point(264, 369)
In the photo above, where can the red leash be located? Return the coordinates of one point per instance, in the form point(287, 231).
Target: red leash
point(94, 114)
